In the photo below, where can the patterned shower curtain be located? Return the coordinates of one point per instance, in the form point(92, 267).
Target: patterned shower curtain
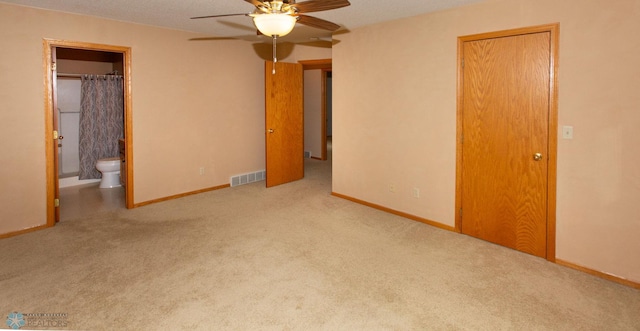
point(101, 121)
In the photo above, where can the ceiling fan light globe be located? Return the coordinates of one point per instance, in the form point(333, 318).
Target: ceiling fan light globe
point(274, 24)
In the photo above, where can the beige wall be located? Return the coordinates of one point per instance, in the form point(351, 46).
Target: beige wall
point(195, 104)
point(395, 119)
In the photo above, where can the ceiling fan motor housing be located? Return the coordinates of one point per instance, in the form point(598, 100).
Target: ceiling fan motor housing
point(276, 7)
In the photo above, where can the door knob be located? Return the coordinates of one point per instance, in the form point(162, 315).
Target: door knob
point(61, 137)
point(270, 130)
point(537, 156)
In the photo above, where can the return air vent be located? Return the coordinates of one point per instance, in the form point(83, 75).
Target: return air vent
point(248, 178)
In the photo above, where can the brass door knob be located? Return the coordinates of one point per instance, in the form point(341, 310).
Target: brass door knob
point(537, 156)
point(270, 130)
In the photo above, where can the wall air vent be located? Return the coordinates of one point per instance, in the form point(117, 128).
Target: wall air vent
point(248, 178)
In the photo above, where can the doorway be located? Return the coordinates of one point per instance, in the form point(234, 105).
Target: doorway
point(507, 137)
point(318, 117)
point(285, 118)
point(56, 52)
point(71, 65)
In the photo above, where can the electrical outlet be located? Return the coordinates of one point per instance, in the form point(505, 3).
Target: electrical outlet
point(392, 188)
point(201, 171)
point(567, 132)
point(416, 192)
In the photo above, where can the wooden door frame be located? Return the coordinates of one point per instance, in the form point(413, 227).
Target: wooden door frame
point(554, 32)
point(51, 174)
point(325, 65)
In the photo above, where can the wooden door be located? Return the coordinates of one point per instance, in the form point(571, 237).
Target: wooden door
point(505, 140)
point(284, 123)
point(56, 134)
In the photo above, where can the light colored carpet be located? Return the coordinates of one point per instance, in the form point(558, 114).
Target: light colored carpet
point(292, 258)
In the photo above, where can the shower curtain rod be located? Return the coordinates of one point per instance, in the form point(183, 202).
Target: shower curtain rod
point(69, 75)
point(115, 73)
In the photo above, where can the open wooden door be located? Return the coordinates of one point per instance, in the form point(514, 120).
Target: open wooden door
point(284, 123)
point(56, 134)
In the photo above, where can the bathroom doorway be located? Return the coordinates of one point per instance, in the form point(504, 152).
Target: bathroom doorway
point(65, 63)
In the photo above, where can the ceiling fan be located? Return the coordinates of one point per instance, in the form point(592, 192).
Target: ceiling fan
point(276, 18)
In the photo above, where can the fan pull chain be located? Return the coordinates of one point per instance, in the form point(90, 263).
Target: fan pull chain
point(275, 38)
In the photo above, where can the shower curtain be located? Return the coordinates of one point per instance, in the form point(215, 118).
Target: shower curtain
point(101, 121)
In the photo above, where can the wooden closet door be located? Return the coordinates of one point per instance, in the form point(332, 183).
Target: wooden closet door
point(505, 121)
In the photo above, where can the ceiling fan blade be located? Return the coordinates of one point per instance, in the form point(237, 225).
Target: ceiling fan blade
point(237, 26)
point(211, 16)
point(250, 37)
point(212, 38)
point(319, 5)
point(315, 22)
point(254, 2)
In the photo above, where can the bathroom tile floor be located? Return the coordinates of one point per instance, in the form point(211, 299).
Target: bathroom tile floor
point(77, 202)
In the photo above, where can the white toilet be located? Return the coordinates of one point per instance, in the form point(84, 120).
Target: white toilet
point(110, 169)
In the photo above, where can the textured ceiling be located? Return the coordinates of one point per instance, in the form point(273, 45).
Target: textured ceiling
point(175, 14)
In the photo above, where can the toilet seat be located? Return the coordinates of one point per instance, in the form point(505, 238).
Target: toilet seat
point(110, 160)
